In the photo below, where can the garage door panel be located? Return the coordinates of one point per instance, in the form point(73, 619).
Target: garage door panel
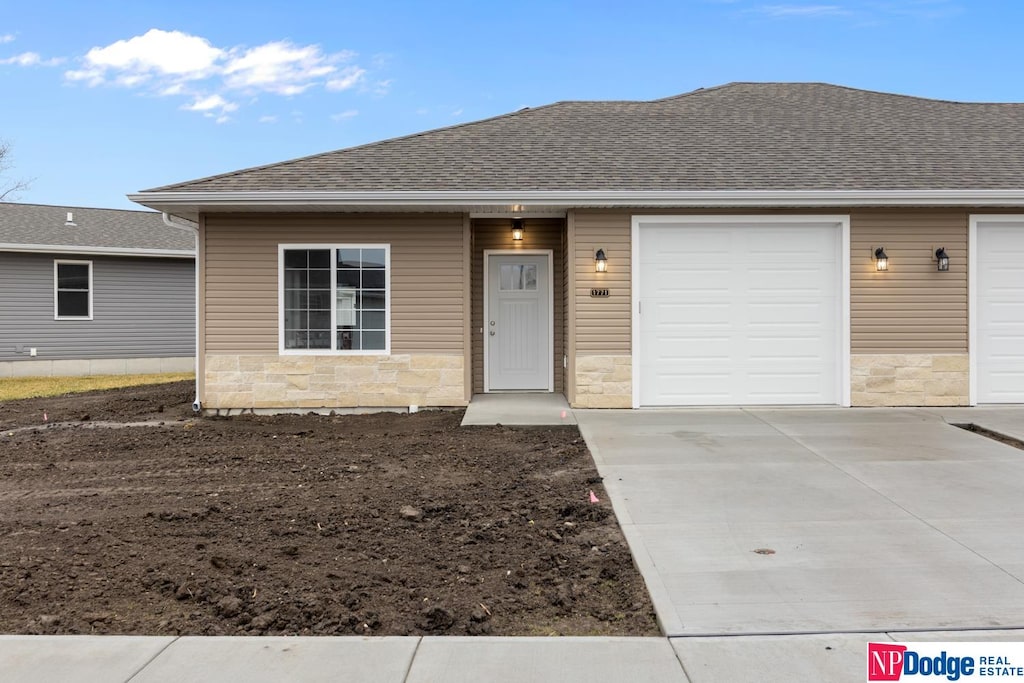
point(752, 320)
point(999, 357)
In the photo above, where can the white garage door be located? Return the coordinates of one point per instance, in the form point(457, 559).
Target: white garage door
point(999, 332)
point(739, 313)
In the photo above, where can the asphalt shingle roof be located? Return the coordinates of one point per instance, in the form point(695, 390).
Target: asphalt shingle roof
point(740, 136)
point(36, 224)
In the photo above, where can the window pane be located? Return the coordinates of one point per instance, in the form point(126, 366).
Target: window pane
point(348, 258)
point(295, 320)
point(73, 304)
point(295, 339)
point(319, 320)
point(373, 279)
point(295, 279)
point(72, 276)
point(348, 278)
point(346, 307)
point(319, 279)
point(320, 258)
point(518, 277)
point(348, 340)
point(320, 339)
point(319, 299)
point(372, 320)
point(373, 341)
point(372, 299)
point(373, 258)
point(296, 258)
point(295, 298)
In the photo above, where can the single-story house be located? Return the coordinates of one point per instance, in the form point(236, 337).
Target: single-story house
point(748, 244)
point(94, 291)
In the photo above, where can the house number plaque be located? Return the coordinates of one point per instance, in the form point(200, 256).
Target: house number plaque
point(599, 292)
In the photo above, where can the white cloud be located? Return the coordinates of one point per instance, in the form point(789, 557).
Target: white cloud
point(803, 10)
point(347, 114)
point(31, 59)
point(268, 119)
point(281, 68)
point(166, 54)
point(381, 88)
point(210, 103)
point(6, 38)
point(457, 112)
point(346, 78)
point(173, 63)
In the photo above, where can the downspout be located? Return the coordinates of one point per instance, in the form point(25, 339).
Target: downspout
point(197, 405)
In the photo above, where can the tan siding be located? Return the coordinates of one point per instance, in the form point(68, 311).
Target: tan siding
point(912, 308)
point(241, 279)
point(497, 234)
point(603, 326)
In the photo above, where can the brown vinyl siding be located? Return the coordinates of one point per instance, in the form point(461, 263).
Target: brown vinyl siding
point(540, 233)
point(604, 325)
point(241, 279)
point(912, 308)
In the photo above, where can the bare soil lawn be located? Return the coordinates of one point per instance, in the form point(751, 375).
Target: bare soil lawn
point(385, 524)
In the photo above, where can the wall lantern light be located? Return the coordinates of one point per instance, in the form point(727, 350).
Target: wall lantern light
point(942, 259)
point(518, 229)
point(881, 260)
point(600, 261)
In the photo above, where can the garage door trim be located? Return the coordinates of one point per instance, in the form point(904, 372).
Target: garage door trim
point(972, 293)
point(809, 220)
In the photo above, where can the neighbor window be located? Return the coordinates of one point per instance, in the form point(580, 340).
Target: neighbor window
point(72, 290)
point(335, 298)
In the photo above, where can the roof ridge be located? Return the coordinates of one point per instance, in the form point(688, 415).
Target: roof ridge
point(837, 86)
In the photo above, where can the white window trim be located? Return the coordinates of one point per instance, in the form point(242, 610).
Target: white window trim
point(56, 264)
point(842, 222)
point(281, 248)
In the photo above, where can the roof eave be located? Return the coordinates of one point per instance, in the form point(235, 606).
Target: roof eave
point(465, 200)
point(96, 251)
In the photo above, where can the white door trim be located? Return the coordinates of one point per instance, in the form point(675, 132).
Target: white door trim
point(974, 220)
point(551, 310)
point(843, 221)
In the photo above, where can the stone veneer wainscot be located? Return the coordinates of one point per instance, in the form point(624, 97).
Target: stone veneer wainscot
point(604, 382)
point(268, 382)
point(910, 379)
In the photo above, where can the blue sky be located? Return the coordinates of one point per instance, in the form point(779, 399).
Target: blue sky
point(103, 98)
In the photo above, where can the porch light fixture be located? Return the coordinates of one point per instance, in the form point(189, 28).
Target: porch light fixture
point(600, 261)
point(517, 230)
point(881, 260)
point(942, 259)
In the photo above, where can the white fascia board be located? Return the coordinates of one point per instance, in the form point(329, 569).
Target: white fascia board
point(97, 251)
point(534, 199)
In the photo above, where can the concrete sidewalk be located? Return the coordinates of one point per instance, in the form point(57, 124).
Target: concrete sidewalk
point(119, 659)
point(811, 658)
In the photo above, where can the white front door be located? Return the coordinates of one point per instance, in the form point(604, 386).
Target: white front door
point(517, 322)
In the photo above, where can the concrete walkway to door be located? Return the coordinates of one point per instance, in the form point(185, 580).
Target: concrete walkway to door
point(824, 521)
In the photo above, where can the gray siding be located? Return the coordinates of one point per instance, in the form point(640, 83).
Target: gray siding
point(142, 307)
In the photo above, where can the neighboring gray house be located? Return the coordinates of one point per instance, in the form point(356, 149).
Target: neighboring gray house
point(94, 291)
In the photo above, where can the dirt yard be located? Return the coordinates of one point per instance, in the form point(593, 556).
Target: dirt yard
point(386, 524)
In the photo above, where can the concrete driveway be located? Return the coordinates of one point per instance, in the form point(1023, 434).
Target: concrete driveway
point(760, 521)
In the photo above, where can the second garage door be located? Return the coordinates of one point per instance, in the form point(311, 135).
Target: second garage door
point(738, 313)
point(999, 310)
